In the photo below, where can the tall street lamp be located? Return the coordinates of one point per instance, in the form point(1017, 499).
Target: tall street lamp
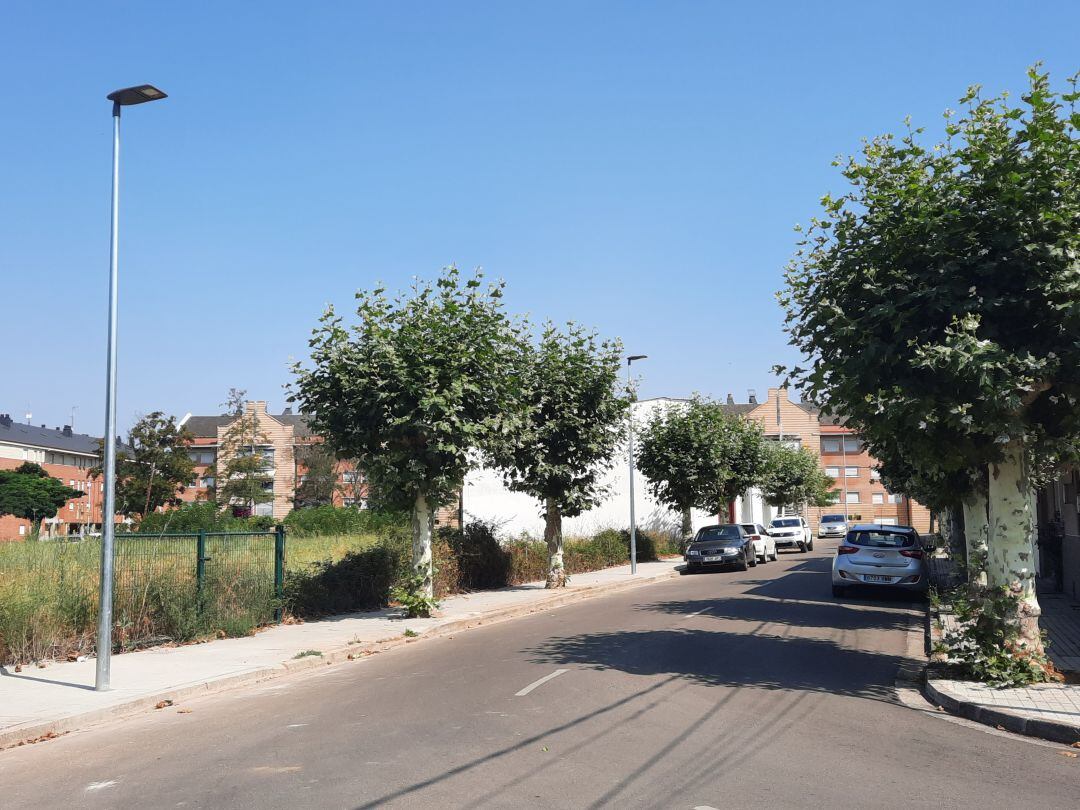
point(126, 97)
point(630, 433)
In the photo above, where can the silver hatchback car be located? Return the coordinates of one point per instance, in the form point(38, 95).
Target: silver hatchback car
point(872, 554)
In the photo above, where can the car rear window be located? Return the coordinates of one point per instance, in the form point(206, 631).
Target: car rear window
point(719, 533)
point(880, 539)
point(749, 528)
point(832, 519)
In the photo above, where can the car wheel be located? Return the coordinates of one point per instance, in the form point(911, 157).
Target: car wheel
point(775, 554)
point(810, 545)
point(838, 591)
point(802, 547)
point(752, 561)
point(764, 558)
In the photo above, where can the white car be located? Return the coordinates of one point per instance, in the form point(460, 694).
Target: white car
point(791, 532)
point(764, 546)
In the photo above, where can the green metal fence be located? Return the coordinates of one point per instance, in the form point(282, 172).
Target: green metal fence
point(179, 586)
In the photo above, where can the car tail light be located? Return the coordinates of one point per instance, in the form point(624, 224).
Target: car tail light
point(914, 553)
point(847, 549)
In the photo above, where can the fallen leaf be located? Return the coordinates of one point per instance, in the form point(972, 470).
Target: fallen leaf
point(1069, 754)
point(163, 704)
point(545, 748)
point(1076, 744)
point(183, 711)
point(18, 667)
point(1000, 728)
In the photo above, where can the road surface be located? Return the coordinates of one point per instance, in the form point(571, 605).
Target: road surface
point(709, 691)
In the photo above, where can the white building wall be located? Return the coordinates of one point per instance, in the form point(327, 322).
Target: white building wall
point(487, 498)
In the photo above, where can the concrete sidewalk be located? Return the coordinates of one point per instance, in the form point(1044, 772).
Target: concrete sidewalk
point(59, 698)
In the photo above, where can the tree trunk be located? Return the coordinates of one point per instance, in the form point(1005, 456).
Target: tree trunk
point(687, 526)
point(553, 536)
point(976, 532)
point(1011, 550)
point(423, 520)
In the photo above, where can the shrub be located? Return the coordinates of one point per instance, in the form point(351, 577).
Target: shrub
point(360, 580)
point(479, 561)
point(985, 646)
point(321, 520)
point(202, 516)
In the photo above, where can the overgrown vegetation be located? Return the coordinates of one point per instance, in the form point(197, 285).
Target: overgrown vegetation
point(986, 644)
point(48, 591)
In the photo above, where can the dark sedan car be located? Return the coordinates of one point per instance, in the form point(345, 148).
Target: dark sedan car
point(716, 546)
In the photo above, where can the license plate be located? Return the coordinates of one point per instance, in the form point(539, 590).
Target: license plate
point(712, 559)
point(876, 578)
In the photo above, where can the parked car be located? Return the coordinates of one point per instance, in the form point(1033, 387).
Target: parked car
point(716, 546)
point(764, 546)
point(832, 526)
point(791, 532)
point(872, 554)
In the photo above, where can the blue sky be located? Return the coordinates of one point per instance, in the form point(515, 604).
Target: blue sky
point(634, 166)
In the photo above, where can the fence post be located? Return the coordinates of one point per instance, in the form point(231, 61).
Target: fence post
point(279, 568)
point(200, 566)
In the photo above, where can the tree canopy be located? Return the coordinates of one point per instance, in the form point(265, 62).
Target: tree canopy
point(793, 477)
point(574, 417)
point(30, 493)
point(699, 456)
point(154, 468)
point(420, 381)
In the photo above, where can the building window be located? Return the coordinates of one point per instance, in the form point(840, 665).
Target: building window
point(830, 445)
point(71, 506)
point(878, 497)
point(896, 498)
point(851, 472)
point(350, 477)
point(853, 497)
point(22, 530)
point(852, 444)
point(875, 474)
point(832, 472)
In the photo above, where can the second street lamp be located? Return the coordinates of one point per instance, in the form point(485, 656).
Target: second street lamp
point(125, 97)
point(630, 437)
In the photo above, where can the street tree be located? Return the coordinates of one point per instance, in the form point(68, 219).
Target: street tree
point(939, 297)
point(699, 456)
point(575, 415)
point(153, 469)
point(793, 477)
point(30, 493)
point(418, 385)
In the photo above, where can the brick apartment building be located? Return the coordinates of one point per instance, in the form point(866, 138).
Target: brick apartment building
point(66, 456)
point(859, 491)
point(284, 435)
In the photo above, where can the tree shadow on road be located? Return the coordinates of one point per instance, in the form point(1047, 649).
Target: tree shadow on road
point(774, 611)
point(718, 658)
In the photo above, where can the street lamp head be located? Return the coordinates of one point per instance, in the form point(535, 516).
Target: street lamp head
point(634, 357)
point(139, 94)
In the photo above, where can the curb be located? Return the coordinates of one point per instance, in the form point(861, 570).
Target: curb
point(49, 728)
point(1046, 729)
point(1052, 730)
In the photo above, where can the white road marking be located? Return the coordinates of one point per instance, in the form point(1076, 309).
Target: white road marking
point(296, 725)
point(688, 615)
point(704, 807)
point(100, 785)
point(540, 682)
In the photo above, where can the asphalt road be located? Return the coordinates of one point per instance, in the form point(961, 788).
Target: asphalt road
point(718, 690)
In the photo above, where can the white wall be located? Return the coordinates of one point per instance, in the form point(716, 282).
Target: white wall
point(486, 498)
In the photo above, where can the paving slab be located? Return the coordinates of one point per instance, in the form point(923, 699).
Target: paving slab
point(60, 697)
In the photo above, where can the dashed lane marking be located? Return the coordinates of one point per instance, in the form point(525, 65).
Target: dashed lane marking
point(540, 682)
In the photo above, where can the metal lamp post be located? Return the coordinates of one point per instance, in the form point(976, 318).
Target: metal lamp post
point(630, 434)
point(126, 97)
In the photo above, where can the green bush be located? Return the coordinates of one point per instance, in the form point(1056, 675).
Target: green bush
point(986, 645)
point(202, 516)
point(321, 520)
point(361, 580)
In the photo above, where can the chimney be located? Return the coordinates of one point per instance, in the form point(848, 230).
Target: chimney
point(67, 430)
point(287, 411)
point(730, 399)
point(752, 394)
point(5, 420)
